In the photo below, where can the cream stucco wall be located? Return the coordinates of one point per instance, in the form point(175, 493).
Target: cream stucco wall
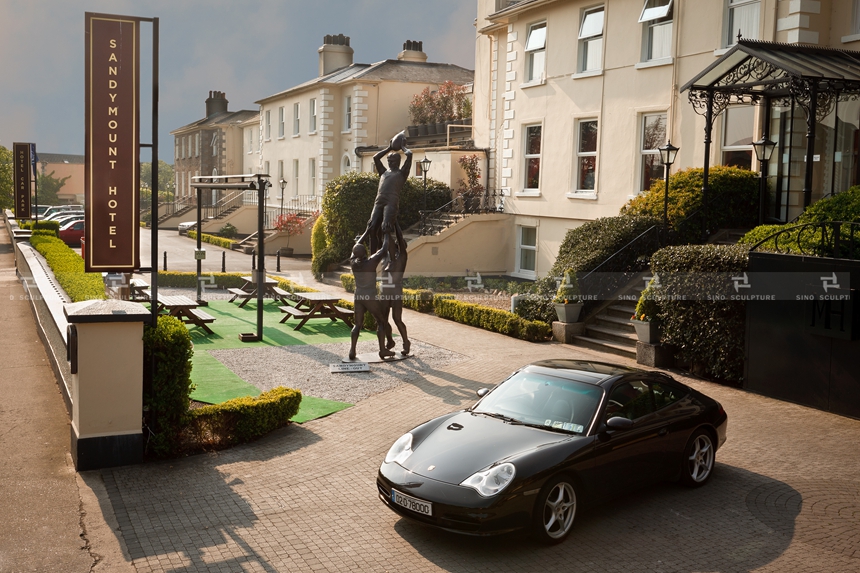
point(476, 244)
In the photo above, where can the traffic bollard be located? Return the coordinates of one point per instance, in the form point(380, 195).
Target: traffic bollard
point(223, 261)
point(165, 260)
point(279, 261)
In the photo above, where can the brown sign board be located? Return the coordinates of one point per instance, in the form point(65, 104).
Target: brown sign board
point(23, 179)
point(112, 143)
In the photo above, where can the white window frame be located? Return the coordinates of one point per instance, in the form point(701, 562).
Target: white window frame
point(296, 176)
point(581, 155)
point(280, 170)
point(281, 120)
point(724, 120)
point(347, 113)
point(312, 115)
point(268, 125)
point(345, 165)
point(266, 168)
point(312, 175)
point(250, 140)
point(197, 144)
point(528, 156)
point(589, 37)
point(657, 15)
point(730, 37)
point(855, 18)
point(535, 49)
point(176, 148)
point(215, 144)
point(648, 153)
point(297, 110)
point(521, 272)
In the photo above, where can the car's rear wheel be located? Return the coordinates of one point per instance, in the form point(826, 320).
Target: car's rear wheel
point(555, 510)
point(698, 459)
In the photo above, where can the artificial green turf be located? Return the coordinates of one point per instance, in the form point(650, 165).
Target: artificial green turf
point(313, 408)
point(215, 383)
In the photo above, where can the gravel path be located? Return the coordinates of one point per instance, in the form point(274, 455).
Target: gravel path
point(306, 368)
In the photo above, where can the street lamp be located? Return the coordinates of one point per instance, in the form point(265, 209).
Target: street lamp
point(283, 184)
point(763, 150)
point(425, 166)
point(667, 158)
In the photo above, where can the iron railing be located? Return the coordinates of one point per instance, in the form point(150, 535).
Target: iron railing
point(436, 221)
point(836, 239)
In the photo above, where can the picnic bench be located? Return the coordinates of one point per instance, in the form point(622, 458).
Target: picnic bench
point(186, 310)
point(315, 305)
point(248, 291)
point(139, 290)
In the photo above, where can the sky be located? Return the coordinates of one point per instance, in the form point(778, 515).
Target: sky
point(249, 50)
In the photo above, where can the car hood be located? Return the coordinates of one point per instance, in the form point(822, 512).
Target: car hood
point(455, 454)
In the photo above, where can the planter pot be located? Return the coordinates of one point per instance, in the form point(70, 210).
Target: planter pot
point(412, 130)
point(422, 129)
point(648, 332)
point(568, 312)
point(440, 128)
point(286, 251)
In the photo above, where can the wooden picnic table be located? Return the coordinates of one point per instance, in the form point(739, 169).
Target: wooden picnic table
point(316, 305)
point(139, 289)
point(248, 291)
point(186, 310)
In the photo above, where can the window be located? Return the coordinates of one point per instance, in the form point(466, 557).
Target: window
point(586, 155)
point(296, 176)
point(175, 148)
point(653, 136)
point(536, 53)
point(738, 123)
point(743, 18)
point(250, 140)
point(346, 166)
point(312, 115)
point(347, 113)
point(591, 40)
point(657, 35)
point(312, 176)
point(665, 395)
point(296, 112)
point(527, 250)
point(630, 400)
point(266, 167)
point(215, 144)
point(855, 23)
point(280, 170)
point(532, 156)
point(268, 125)
point(281, 121)
point(183, 148)
point(197, 144)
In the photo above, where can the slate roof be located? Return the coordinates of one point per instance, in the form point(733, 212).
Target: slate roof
point(60, 158)
point(219, 119)
point(387, 70)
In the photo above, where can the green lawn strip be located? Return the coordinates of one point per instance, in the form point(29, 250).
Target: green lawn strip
point(215, 383)
point(313, 408)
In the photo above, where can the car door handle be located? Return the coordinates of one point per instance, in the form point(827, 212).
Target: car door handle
point(663, 431)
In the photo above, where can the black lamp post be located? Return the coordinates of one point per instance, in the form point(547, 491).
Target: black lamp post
point(763, 150)
point(425, 166)
point(667, 158)
point(283, 184)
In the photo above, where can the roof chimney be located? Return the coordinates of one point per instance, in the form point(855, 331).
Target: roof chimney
point(335, 54)
point(215, 103)
point(412, 52)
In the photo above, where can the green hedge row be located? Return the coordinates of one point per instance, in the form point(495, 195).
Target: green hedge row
point(242, 419)
point(185, 279)
point(708, 333)
point(213, 239)
point(68, 267)
point(416, 299)
point(52, 226)
point(491, 319)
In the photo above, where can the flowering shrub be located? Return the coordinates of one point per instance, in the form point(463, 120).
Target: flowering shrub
point(293, 225)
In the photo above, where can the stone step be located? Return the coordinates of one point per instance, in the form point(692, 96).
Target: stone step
point(617, 322)
point(606, 346)
point(612, 334)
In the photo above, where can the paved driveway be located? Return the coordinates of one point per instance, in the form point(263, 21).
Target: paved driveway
point(785, 495)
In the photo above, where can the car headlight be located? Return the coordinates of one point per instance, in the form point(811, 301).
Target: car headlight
point(492, 481)
point(401, 449)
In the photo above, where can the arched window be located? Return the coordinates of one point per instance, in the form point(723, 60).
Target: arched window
point(346, 165)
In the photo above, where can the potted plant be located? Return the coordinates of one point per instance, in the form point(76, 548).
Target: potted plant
point(645, 320)
point(420, 110)
point(290, 225)
point(567, 303)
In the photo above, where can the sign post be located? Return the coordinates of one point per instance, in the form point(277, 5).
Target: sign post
point(23, 180)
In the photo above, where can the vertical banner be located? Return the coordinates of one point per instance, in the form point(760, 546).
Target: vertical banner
point(23, 180)
point(112, 151)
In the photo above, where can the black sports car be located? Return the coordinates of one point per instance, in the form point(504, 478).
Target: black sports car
point(557, 434)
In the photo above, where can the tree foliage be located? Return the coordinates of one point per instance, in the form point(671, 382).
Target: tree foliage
point(49, 187)
point(166, 182)
point(7, 199)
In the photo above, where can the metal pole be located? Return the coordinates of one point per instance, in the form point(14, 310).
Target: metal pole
point(278, 258)
point(666, 207)
point(765, 135)
point(261, 262)
point(810, 144)
point(153, 280)
point(709, 123)
point(165, 261)
point(223, 261)
point(199, 241)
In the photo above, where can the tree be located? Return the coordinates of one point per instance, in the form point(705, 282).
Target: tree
point(166, 180)
point(7, 198)
point(48, 187)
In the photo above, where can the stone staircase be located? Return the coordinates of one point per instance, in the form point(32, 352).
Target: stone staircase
point(610, 330)
point(177, 213)
point(249, 243)
point(727, 236)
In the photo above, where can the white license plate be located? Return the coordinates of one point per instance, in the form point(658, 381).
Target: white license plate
point(411, 503)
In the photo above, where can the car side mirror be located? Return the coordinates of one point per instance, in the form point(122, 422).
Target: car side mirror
point(618, 423)
point(482, 392)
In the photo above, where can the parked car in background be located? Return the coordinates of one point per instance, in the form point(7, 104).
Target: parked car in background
point(59, 208)
point(72, 232)
point(65, 218)
point(186, 226)
point(61, 214)
point(556, 436)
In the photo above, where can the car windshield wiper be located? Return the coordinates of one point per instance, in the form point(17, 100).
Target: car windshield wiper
point(500, 417)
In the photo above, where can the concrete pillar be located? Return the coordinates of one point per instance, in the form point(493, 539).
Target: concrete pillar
point(105, 342)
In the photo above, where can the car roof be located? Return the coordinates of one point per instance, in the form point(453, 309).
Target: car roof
point(587, 371)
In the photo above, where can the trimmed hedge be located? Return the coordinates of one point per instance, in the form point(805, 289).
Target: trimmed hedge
point(708, 333)
point(68, 267)
point(187, 279)
point(242, 419)
point(347, 281)
point(167, 390)
point(416, 299)
point(213, 240)
point(737, 207)
point(491, 319)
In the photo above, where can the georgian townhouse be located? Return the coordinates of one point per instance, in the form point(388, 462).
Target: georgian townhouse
point(308, 134)
point(573, 97)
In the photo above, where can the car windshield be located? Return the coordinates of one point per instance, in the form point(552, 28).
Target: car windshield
point(548, 401)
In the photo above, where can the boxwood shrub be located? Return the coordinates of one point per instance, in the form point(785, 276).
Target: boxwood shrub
point(492, 319)
point(242, 419)
point(167, 389)
point(68, 268)
point(708, 333)
point(213, 239)
point(187, 279)
point(416, 299)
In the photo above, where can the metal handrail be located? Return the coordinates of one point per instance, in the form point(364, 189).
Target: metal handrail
point(619, 251)
point(486, 203)
point(834, 244)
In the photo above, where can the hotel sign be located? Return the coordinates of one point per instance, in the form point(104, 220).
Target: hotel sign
point(23, 181)
point(112, 151)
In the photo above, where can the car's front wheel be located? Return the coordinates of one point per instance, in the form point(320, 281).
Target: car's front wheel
point(555, 510)
point(698, 459)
